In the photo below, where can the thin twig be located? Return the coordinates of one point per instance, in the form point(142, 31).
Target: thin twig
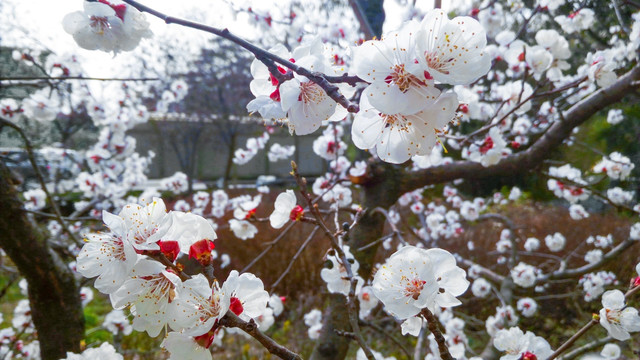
point(351, 305)
point(251, 328)
point(623, 26)
point(583, 349)
point(295, 257)
point(271, 245)
point(262, 55)
point(67, 218)
point(586, 328)
point(388, 335)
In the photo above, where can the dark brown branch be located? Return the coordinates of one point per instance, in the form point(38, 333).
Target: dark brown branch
point(53, 291)
point(432, 323)
point(161, 258)
point(251, 328)
point(266, 57)
point(534, 155)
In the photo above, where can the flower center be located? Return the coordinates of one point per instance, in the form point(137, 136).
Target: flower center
point(99, 23)
point(413, 288)
point(436, 63)
point(396, 120)
point(613, 316)
point(310, 92)
point(401, 78)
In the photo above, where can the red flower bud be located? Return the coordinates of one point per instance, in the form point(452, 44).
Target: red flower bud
point(170, 249)
point(201, 251)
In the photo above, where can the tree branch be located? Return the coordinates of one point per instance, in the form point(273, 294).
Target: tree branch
point(586, 328)
point(533, 156)
point(432, 323)
point(351, 306)
point(266, 57)
point(251, 328)
point(573, 273)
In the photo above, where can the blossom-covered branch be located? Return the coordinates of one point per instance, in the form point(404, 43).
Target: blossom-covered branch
point(536, 153)
point(268, 58)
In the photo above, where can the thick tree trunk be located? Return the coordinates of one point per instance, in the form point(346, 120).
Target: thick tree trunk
point(56, 308)
point(382, 193)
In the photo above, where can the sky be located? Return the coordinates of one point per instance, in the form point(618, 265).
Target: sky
point(39, 23)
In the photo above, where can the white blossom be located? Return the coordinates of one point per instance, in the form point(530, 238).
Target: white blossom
point(617, 319)
point(412, 279)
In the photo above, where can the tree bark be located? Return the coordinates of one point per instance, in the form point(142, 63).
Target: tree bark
point(383, 192)
point(56, 308)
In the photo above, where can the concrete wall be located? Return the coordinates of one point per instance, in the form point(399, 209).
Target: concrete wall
point(162, 137)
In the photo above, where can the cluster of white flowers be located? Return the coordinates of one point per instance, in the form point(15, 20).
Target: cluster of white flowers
point(299, 99)
point(35, 199)
point(253, 146)
point(490, 151)
point(313, 319)
point(594, 283)
point(527, 307)
point(403, 115)
point(524, 275)
point(337, 278)
point(600, 241)
point(505, 317)
point(619, 196)
point(616, 166)
point(555, 242)
point(156, 294)
point(571, 191)
point(615, 116)
point(279, 152)
point(578, 212)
